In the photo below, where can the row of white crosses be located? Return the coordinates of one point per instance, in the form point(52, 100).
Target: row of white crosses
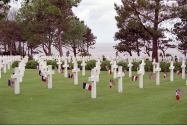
point(65, 67)
point(172, 67)
point(98, 68)
point(130, 65)
point(141, 73)
point(83, 64)
point(94, 78)
point(6, 62)
point(183, 69)
point(157, 69)
point(19, 74)
point(120, 76)
point(46, 72)
point(59, 63)
point(115, 67)
point(75, 71)
point(117, 75)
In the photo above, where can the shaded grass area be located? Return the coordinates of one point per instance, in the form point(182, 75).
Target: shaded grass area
point(67, 103)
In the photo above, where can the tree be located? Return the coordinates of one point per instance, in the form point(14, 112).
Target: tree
point(130, 37)
point(164, 45)
point(88, 42)
point(4, 8)
point(74, 37)
point(181, 27)
point(10, 33)
point(39, 16)
point(45, 22)
point(61, 21)
point(150, 14)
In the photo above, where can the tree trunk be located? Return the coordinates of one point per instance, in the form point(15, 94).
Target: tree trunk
point(10, 48)
point(137, 48)
point(155, 35)
point(20, 52)
point(75, 51)
point(49, 51)
point(5, 47)
point(31, 52)
point(130, 53)
point(23, 51)
point(60, 44)
point(28, 51)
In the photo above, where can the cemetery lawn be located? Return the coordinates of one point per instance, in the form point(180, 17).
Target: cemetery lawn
point(67, 103)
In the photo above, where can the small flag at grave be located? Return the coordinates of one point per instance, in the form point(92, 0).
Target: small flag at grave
point(165, 75)
point(178, 94)
point(87, 86)
point(134, 78)
point(178, 72)
point(111, 83)
point(43, 79)
point(11, 83)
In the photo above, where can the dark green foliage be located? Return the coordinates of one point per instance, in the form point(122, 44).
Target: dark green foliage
point(79, 64)
point(134, 32)
point(148, 66)
point(15, 64)
point(90, 64)
point(164, 66)
point(178, 66)
point(104, 65)
point(53, 63)
point(70, 66)
point(123, 64)
point(31, 64)
point(135, 66)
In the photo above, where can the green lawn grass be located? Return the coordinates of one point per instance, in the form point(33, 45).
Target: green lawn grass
point(67, 103)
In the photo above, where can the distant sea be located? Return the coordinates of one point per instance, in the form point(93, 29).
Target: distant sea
point(107, 49)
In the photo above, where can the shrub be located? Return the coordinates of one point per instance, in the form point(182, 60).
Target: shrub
point(135, 66)
point(70, 66)
point(79, 64)
point(148, 66)
point(15, 64)
point(105, 64)
point(31, 64)
point(123, 64)
point(178, 66)
point(90, 64)
point(53, 63)
point(164, 66)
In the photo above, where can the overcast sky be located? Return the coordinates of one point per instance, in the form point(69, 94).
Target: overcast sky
point(99, 15)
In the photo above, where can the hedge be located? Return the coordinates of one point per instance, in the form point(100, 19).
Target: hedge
point(104, 64)
point(90, 64)
point(15, 64)
point(31, 64)
point(53, 63)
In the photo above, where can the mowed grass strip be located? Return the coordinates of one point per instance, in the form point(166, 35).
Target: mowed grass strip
point(68, 103)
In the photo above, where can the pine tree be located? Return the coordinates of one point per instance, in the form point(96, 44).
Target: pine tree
point(149, 15)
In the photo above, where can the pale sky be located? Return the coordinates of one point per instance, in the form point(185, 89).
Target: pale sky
point(99, 15)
